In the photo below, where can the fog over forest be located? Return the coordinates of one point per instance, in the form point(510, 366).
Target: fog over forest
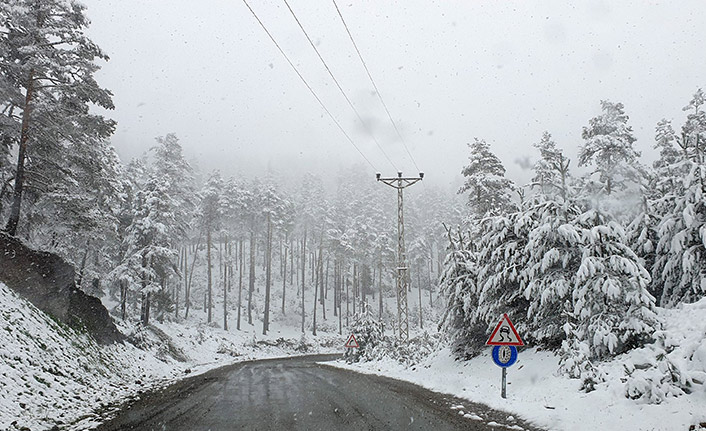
point(449, 72)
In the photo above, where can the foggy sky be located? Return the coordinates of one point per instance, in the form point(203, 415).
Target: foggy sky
point(448, 70)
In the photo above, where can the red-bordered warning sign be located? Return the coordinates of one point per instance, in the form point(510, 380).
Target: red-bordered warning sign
point(352, 342)
point(505, 334)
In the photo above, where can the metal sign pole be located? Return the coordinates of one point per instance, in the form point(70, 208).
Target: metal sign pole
point(504, 393)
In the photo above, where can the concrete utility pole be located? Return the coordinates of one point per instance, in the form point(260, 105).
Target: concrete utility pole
point(400, 183)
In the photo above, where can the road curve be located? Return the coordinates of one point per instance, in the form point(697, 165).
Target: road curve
point(300, 394)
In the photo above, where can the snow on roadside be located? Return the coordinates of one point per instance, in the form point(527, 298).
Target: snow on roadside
point(537, 394)
point(54, 378)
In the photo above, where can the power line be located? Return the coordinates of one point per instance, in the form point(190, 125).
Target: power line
point(377, 91)
point(308, 86)
point(338, 84)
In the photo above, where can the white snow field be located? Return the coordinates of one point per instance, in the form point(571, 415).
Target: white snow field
point(538, 394)
point(53, 377)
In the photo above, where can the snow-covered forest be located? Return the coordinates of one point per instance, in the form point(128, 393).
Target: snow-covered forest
point(584, 257)
point(592, 259)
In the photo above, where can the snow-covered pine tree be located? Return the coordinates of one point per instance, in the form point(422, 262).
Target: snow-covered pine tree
point(609, 147)
point(612, 310)
point(681, 261)
point(47, 65)
point(459, 287)
point(211, 215)
point(488, 189)
point(553, 247)
point(77, 216)
point(553, 253)
point(276, 213)
point(681, 250)
point(170, 164)
point(694, 129)
point(369, 333)
point(150, 250)
point(551, 172)
point(501, 261)
point(642, 238)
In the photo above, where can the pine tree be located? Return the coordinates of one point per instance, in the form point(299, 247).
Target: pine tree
point(150, 250)
point(501, 262)
point(211, 213)
point(47, 65)
point(612, 310)
point(488, 189)
point(553, 252)
point(459, 286)
point(680, 263)
point(609, 147)
point(552, 170)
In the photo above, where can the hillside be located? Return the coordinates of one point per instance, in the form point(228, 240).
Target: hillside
point(56, 378)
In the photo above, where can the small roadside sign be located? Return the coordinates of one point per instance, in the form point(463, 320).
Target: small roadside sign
point(504, 340)
point(505, 334)
point(352, 342)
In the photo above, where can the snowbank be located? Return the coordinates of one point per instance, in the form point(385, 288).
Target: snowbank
point(538, 394)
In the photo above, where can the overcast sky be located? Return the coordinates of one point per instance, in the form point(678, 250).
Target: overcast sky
point(448, 71)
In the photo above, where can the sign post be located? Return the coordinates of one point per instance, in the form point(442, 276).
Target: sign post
point(504, 340)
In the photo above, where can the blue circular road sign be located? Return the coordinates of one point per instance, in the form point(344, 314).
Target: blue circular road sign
point(504, 356)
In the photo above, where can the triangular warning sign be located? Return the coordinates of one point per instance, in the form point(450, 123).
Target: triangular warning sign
point(352, 342)
point(505, 334)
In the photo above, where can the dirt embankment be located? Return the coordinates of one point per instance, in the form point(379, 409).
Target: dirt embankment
point(47, 281)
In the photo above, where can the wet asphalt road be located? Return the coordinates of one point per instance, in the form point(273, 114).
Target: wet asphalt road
point(300, 394)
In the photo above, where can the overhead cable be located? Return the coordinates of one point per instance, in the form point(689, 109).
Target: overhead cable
point(377, 91)
point(308, 86)
point(365, 125)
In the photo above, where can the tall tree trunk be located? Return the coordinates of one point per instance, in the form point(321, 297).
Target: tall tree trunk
point(321, 281)
point(431, 263)
point(209, 300)
point(316, 291)
point(335, 287)
point(268, 276)
point(14, 218)
point(355, 285)
point(348, 301)
point(251, 279)
point(145, 307)
point(380, 285)
point(240, 280)
point(225, 290)
point(187, 295)
point(284, 277)
point(291, 261)
point(361, 284)
point(303, 276)
point(421, 316)
point(326, 278)
point(340, 287)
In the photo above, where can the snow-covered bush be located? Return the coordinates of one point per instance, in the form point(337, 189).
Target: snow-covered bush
point(407, 352)
point(368, 331)
point(675, 363)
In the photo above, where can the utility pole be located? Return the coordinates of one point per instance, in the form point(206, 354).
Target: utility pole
point(401, 183)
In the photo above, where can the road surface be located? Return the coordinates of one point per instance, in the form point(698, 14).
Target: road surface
point(301, 394)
